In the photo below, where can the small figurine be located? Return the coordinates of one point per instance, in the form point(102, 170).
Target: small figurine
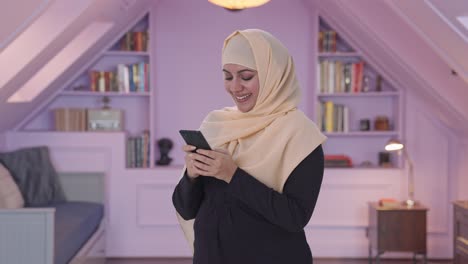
point(165, 145)
point(364, 124)
point(365, 87)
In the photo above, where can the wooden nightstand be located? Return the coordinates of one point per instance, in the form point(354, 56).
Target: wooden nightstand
point(399, 228)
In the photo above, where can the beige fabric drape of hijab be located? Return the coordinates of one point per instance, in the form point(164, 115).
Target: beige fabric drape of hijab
point(270, 140)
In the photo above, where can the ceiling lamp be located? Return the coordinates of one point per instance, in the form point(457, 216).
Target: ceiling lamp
point(238, 4)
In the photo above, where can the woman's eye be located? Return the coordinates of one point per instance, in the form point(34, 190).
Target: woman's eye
point(227, 78)
point(247, 78)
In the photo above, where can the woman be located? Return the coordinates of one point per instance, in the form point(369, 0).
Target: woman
point(249, 199)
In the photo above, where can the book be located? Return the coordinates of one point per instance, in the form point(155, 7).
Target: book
point(389, 202)
point(69, 119)
point(338, 161)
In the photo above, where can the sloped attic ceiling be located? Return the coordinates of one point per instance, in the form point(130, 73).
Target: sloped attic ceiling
point(20, 19)
point(52, 32)
point(450, 43)
point(393, 32)
point(404, 53)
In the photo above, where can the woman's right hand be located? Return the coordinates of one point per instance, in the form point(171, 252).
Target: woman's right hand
point(189, 162)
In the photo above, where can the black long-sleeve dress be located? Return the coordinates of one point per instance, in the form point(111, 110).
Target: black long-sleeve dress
point(245, 221)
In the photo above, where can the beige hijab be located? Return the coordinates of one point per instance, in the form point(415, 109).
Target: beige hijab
point(269, 141)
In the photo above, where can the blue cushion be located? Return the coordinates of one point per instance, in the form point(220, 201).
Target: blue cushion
point(75, 223)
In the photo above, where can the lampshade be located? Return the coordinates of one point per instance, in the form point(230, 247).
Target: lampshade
point(238, 4)
point(393, 145)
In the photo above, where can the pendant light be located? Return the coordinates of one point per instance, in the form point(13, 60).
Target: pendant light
point(238, 4)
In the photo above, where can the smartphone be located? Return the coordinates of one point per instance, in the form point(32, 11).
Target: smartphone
point(195, 138)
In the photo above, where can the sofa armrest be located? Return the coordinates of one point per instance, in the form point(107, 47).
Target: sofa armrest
point(27, 235)
point(28, 210)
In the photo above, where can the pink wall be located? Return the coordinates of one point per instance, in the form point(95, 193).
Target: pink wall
point(188, 39)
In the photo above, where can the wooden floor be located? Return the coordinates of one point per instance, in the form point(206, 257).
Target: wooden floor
point(316, 261)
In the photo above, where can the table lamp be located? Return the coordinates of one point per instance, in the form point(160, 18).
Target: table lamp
point(396, 145)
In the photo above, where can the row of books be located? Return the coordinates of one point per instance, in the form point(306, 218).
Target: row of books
point(327, 41)
point(337, 161)
point(126, 78)
point(332, 117)
point(340, 77)
point(134, 41)
point(138, 150)
point(389, 203)
point(70, 119)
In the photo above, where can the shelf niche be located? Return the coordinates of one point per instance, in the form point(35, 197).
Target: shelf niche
point(351, 95)
point(121, 75)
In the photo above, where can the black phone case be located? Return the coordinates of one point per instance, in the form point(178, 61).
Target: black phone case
point(195, 138)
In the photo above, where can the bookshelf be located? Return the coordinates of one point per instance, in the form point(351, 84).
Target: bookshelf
point(356, 107)
point(101, 94)
point(121, 74)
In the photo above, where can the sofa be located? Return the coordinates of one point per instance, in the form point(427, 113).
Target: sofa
point(38, 224)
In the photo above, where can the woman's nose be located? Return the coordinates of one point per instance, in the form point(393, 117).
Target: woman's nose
point(236, 85)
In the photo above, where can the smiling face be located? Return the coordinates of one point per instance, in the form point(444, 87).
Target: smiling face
point(242, 84)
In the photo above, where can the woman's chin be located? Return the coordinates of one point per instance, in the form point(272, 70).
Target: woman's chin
point(244, 108)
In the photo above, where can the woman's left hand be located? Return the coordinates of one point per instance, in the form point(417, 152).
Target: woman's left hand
point(215, 163)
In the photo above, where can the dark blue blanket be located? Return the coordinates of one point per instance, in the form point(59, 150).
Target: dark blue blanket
point(75, 223)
